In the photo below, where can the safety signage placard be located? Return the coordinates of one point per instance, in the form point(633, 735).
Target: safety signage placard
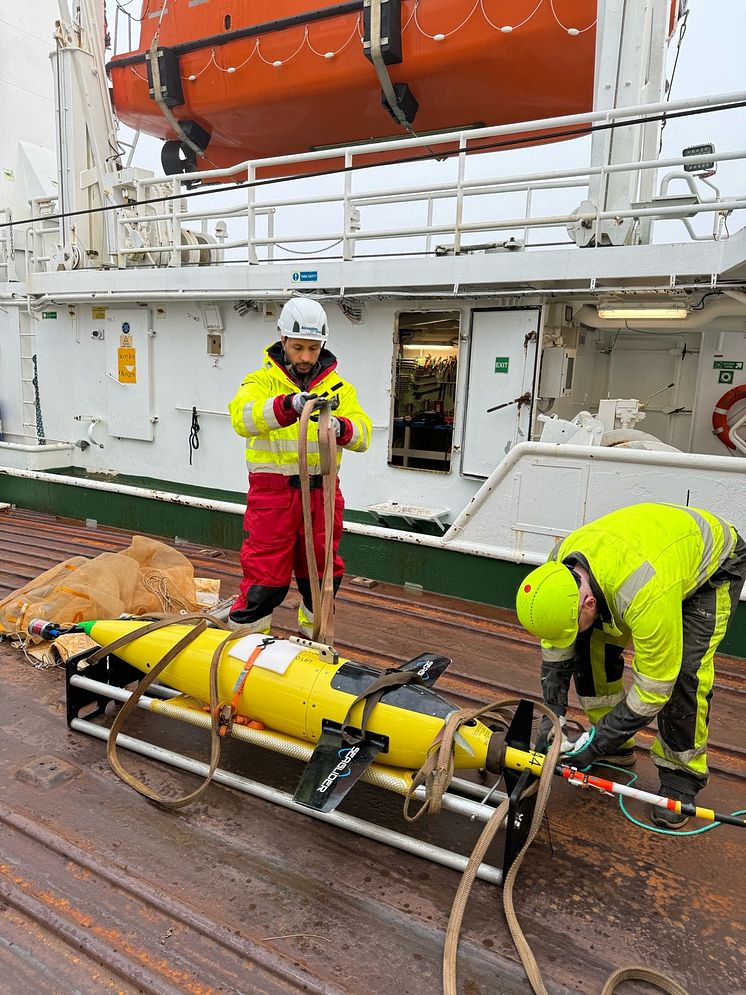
point(127, 367)
point(727, 364)
point(501, 364)
point(305, 276)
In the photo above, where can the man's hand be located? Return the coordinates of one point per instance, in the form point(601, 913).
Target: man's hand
point(546, 729)
point(336, 424)
point(298, 401)
point(584, 751)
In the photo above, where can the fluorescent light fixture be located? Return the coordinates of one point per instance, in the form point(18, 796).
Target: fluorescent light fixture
point(643, 311)
point(425, 345)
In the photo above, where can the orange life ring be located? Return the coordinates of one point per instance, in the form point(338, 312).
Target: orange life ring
point(720, 414)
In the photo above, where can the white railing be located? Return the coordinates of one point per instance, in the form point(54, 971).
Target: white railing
point(257, 223)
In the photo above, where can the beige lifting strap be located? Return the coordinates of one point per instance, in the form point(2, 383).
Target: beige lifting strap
point(379, 65)
point(436, 774)
point(165, 109)
point(217, 718)
point(322, 594)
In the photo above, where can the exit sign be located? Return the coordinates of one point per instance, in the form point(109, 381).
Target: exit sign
point(501, 364)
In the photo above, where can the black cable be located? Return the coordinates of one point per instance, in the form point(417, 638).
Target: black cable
point(193, 435)
point(701, 303)
point(574, 132)
point(669, 87)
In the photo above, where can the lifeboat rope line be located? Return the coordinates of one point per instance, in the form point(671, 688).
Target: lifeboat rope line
point(447, 34)
point(570, 31)
point(275, 63)
point(357, 29)
point(413, 19)
point(507, 28)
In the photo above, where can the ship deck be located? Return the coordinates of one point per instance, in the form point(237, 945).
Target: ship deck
point(101, 890)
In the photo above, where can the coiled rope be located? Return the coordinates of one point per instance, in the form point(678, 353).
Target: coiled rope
point(436, 774)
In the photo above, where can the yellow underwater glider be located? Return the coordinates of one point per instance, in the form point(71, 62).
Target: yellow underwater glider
point(357, 720)
point(299, 692)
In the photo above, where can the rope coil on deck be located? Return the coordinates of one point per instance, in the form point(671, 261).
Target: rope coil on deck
point(436, 773)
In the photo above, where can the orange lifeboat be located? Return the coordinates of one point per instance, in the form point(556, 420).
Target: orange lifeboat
point(246, 79)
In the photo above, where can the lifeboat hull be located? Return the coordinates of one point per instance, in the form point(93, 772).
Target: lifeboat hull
point(272, 79)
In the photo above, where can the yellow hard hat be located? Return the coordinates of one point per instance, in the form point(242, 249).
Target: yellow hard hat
point(547, 604)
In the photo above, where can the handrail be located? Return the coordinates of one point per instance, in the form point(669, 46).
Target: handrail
point(342, 220)
point(454, 137)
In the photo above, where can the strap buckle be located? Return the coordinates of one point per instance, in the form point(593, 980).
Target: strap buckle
point(225, 714)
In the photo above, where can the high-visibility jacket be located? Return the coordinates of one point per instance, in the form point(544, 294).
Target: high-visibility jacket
point(644, 561)
point(260, 413)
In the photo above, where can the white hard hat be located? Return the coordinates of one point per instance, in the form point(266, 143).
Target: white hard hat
point(303, 318)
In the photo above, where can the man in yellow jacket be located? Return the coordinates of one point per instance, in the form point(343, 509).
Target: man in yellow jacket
point(667, 578)
point(265, 411)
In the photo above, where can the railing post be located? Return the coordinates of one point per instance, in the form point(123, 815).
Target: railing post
point(271, 233)
point(348, 244)
point(429, 223)
point(529, 192)
point(459, 195)
point(175, 223)
point(251, 209)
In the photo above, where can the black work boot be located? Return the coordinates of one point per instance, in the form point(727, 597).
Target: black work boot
point(623, 757)
point(667, 818)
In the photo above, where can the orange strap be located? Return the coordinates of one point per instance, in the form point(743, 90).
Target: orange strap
point(227, 713)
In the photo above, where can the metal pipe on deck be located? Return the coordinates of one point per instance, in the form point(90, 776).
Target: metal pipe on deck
point(428, 851)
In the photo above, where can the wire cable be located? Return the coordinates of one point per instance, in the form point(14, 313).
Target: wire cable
point(576, 131)
point(655, 829)
point(669, 87)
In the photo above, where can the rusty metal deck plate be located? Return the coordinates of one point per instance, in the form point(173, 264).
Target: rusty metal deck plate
point(102, 891)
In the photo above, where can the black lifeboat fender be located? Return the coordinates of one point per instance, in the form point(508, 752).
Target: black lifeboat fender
point(177, 157)
point(391, 52)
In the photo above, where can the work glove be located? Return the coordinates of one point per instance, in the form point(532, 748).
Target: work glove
point(298, 401)
point(336, 424)
point(584, 751)
point(546, 731)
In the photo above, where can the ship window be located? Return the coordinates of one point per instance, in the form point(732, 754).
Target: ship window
point(424, 390)
point(227, 22)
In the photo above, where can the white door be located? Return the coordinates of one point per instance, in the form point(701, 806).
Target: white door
point(128, 391)
point(502, 362)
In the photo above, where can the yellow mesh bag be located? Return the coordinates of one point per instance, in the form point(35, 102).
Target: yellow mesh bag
point(147, 577)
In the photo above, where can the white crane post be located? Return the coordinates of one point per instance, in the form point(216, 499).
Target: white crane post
point(88, 153)
point(630, 69)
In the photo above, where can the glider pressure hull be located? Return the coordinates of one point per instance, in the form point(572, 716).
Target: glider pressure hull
point(306, 698)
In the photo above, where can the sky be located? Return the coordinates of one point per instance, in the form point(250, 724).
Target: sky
point(710, 61)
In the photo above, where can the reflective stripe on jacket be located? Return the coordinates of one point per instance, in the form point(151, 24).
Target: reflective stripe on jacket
point(646, 560)
point(272, 431)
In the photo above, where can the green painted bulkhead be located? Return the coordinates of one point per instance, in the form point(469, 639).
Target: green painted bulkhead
point(441, 571)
